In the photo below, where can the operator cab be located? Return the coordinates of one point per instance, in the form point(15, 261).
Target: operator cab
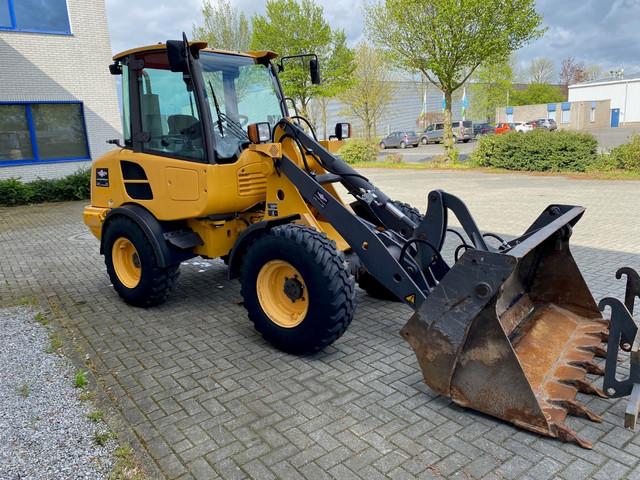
point(201, 111)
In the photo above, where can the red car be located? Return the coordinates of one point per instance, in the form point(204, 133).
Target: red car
point(503, 128)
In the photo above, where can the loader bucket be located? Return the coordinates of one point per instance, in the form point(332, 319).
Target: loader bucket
point(513, 334)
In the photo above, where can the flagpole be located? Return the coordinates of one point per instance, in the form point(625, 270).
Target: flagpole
point(464, 103)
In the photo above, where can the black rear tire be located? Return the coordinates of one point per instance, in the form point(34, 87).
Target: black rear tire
point(368, 282)
point(155, 282)
point(327, 283)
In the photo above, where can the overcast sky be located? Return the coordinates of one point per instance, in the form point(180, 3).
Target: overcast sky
point(602, 32)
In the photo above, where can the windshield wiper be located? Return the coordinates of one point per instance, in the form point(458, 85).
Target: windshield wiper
point(215, 102)
point(234, 126)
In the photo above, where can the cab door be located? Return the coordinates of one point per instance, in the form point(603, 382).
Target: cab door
point(168, 155)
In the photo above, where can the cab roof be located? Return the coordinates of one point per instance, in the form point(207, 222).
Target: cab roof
point(201, 46)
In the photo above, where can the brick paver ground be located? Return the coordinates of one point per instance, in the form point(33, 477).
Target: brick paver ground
point(206, 397)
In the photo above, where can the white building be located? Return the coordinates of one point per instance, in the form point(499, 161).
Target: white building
point(58, 101)
point(624, 93)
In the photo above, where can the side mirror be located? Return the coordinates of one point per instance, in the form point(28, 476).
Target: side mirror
point(177, 54)
point(115, 69)
point(343, 130)
point(314, 68)
point(259, 132)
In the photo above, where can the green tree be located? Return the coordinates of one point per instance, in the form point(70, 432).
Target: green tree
point(291, 27)
point(447, 40)
point(371, 90)
point(536, 93)
point(224, 27)
point(490, 89)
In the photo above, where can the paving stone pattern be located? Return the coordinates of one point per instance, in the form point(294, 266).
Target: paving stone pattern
point(207, 398)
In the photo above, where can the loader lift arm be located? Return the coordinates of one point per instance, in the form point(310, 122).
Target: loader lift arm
point(411, 277)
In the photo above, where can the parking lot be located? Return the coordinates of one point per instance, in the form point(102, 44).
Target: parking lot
point(426, 153)
point(201, 395)
point(608, 138)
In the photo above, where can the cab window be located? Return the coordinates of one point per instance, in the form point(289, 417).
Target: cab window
point(168, 110)
point(240, 92)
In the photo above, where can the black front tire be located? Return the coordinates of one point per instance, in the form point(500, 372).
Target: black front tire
point(329, 286)
point(155, 282)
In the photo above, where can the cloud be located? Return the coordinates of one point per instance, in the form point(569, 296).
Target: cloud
point(133, 23)
point(602, 32)
point(595, 32)
point(143, 22)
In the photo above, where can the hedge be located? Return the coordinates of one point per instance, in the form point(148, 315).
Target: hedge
point(354, 151)
point(72, 187)
point(627, 156)
point(539, 151)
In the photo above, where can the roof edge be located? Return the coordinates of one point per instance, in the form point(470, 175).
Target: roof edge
point(268, 54)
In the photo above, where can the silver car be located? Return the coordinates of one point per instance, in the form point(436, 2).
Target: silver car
point(462, 132)
point(400, 140)
point(546, 123)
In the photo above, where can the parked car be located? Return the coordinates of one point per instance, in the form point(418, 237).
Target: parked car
point(504, 128)
point(546, 123)
point(434, 133)
point(400, 140)
point(463, 131)
point(522, 127)
point(480, 129)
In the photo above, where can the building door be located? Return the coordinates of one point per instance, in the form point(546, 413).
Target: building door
point(615, 117)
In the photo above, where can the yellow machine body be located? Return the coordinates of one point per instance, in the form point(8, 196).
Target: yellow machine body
point(194, 192)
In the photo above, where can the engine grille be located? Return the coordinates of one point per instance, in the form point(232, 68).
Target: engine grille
point(251, 183)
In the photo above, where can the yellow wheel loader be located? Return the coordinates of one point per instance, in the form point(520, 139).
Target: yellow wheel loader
point(214, 165)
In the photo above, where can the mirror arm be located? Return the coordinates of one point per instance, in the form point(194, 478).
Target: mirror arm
point(289, 57)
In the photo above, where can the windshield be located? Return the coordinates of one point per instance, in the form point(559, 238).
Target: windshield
point(239, 92)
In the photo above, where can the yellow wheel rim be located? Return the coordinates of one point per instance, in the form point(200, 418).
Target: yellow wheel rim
point(126, 262)
point(282, 293)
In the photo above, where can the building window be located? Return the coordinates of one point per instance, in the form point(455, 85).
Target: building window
point(42, 132)
point(551, 115)
point(592, 115)
point(42, 16)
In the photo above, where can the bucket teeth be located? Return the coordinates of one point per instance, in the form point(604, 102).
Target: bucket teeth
point(589, 366)
point(577, 409)
point(595, 350)
point(585, 387)
point(565, 434)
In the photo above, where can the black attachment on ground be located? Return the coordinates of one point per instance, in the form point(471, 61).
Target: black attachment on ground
point(623, 334)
